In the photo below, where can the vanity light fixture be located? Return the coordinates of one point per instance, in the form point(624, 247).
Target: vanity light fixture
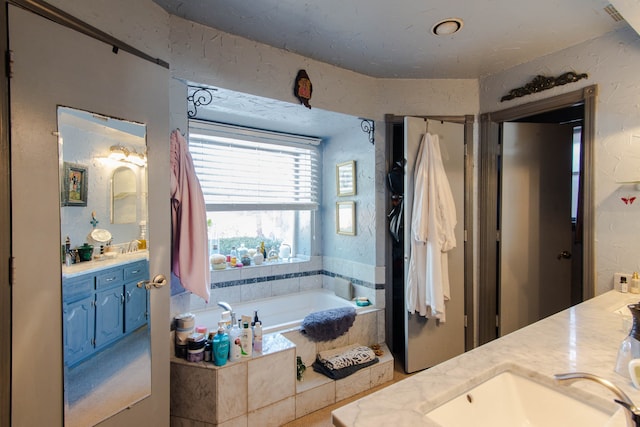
point(447, 27)
point(123, 154)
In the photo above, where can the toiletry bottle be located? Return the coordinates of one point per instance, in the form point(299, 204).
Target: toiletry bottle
point(255, 318)
point(220, 347)
point(257, 337)
point(635, 283)
point(208, 347)
point(630, 347)
point(143, 235)
point(246, 339)
point(235, 350)
point(624, 286)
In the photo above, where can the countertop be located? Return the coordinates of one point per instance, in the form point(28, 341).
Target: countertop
point(96, 265)
point(583, 338)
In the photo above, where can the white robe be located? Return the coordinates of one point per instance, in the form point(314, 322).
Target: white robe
point(433, 222)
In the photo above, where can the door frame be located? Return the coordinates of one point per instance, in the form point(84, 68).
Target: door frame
point(467, 121)
point(5, 230)
point(489, 234)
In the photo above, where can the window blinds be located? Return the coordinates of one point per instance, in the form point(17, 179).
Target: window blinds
point(247, 169)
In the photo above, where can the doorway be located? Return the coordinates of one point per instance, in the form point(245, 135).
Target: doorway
point(409, 335)
point(498, 267)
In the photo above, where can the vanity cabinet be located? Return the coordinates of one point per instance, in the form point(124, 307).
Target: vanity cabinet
point(101, 307)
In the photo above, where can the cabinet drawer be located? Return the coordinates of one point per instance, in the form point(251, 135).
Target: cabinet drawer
point(136, 271)
point(114, 276)
point(77, 288)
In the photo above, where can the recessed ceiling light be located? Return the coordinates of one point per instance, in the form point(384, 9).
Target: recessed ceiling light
point(447, 27)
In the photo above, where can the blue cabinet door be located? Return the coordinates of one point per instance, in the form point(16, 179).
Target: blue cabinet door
point(109, 315)
point(135, 309)
point(78, 329)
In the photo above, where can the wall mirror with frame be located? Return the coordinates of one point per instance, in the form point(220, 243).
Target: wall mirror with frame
point(346, 178)
point(346, 218)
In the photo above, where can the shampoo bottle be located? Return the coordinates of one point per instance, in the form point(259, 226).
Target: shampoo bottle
point(220, 347)
point(257, 337)
point(235, 350)
point(246, 340)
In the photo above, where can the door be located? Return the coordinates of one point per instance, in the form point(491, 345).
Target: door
point(536, 236)
point(109, 315)
point(428, 343)
point(52, 66)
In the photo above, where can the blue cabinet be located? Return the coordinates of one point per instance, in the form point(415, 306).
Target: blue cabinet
point(101, 307)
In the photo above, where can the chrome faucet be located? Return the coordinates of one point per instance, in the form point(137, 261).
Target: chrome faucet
point(633, 413)
point(225, 305)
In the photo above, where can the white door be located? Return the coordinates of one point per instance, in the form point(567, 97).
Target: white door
point(426, 342)
point(535, 278)
point(52, 66)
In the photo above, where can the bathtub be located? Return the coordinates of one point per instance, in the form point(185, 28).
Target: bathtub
point(278, 313)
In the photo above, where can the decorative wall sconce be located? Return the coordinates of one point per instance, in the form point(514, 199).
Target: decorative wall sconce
point(123, 154)
point(368, 126)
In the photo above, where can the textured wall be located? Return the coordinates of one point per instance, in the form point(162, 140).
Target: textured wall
point(612, 62)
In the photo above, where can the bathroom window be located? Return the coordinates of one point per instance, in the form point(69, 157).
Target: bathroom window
point(259, 186)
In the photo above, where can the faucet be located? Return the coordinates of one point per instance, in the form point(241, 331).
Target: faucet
point(633, 413)
point(225, 305)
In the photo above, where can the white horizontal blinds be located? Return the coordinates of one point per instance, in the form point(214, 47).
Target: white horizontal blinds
point(247, 169)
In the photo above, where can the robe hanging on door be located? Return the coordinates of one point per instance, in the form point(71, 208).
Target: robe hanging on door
point(190, 253)
point(433, 223)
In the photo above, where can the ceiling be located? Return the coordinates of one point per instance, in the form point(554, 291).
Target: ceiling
point(393, 39)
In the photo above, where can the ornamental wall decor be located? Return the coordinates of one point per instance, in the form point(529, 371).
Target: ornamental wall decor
point(540, 83)
point(303, 88)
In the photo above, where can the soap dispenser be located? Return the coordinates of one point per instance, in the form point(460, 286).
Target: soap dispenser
point(630, 347)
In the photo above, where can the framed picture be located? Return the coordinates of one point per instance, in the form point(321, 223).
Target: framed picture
point(346, 178)
point(74, 185)
point(346, 218)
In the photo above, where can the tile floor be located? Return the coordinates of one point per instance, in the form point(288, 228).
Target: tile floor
point(322, 418)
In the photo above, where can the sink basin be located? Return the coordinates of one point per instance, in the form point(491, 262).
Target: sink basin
point(509, 399)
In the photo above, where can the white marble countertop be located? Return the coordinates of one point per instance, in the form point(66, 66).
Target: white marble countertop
point(582, 338)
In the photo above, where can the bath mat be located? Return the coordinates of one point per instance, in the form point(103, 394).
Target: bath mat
point(329, 324)
point(342, 288)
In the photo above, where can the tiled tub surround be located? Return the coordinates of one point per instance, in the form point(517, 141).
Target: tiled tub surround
point(282, 312)
point(243, 284)
point(263, 390)
point(583, 338)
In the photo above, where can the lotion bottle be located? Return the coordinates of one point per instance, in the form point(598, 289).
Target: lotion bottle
point(246, 340)
point(235, 351)
point(220, 347)
point(257, 337)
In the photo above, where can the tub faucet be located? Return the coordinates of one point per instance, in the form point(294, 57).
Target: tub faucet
point(225, 305)
point(633, 413)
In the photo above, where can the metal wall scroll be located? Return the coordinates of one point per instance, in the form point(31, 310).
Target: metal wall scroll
point(368, 126)
point(540, 83)
point(200, 96)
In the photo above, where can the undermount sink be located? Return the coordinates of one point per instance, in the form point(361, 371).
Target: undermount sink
point(509, 399)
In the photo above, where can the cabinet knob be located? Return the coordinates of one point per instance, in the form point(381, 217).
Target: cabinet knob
point(157, 282)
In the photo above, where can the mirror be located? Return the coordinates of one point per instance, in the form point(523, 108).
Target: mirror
point(106, 328)
point(346, 178)
point(123, 196)
point(346, 218)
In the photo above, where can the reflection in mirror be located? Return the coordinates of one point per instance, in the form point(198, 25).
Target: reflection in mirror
point(106, 329)
point(123, 196)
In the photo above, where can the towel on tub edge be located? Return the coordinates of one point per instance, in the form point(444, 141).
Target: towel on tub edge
point(342, 362)
point(329, 324)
